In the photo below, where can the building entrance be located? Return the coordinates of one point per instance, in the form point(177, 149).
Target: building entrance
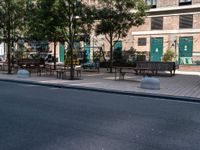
point(156, 49)
point(185, 50)
point(62, 52)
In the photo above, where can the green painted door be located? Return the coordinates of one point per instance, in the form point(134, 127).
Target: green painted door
point(117, 54)
point(62, 52)
point(185, 50)
point(156, 49)
point(118, 45)
point(86, 53)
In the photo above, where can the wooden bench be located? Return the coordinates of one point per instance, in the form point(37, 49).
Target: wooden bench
point(91, 67)
point(146, 68)
point(31, 65)
point(61, 73)
point(155, 67)
point(144, 71)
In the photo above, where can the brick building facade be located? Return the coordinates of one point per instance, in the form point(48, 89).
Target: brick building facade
point(172, 24)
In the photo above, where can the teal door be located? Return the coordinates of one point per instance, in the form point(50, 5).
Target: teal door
point(117, 54)
point(118, 45)
point(156, 49)
point(86, 53)
point(62, 52)
point(185, 50)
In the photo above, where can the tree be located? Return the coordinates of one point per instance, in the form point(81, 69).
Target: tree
point(61, 20)
point(11, 23)
point(116, 17)
point(77, 20)
point(44, 23)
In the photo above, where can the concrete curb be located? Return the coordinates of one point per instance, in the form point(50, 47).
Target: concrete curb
point(130, 93)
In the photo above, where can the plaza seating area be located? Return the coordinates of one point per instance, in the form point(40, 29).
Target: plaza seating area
point(62, 71)
point(41, 68)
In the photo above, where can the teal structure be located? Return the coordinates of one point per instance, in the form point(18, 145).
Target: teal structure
point(156, 49)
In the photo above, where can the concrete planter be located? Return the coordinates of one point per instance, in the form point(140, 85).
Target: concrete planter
point(150, 83)
point(22, 73)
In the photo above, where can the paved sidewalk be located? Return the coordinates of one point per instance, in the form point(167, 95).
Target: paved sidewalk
point(182, 84)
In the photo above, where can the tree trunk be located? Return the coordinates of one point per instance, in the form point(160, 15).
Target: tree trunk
point(71, 39)
point(8, 39)
point(111, 54)
point(54, 55)
point(71, 64)
point(8, 54)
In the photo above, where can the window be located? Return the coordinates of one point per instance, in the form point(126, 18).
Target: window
point(151, 3)
point(186, 21)
point(142, 41)
point(185, 2)
point(157, 23)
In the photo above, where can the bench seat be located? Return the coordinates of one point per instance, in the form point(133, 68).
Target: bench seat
point(157, 66)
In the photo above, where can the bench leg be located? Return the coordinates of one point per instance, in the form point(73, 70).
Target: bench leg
point(115, 74)
point(78, 74)
point(136, 72)
point(156, 72)
point(58, 75)
point(152, 72)
point(62, 75)
point(121, 75)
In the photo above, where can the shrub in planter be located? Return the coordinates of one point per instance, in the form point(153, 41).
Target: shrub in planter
point(169, 56)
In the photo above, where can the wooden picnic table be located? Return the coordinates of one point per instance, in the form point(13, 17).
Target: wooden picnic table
point(61, 72)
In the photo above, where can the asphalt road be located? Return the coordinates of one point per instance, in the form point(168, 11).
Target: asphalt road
point(44, 118)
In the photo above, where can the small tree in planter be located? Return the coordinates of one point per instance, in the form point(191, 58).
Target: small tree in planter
point(169, 56)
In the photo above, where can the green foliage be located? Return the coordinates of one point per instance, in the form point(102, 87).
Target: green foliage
point(12, 18)
point(68, 55)
point(43, 22)
point(77, 19)
point(12, 14)
point(59, 21)
point(169, 56)
point(19, 54)
point(116, 17)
